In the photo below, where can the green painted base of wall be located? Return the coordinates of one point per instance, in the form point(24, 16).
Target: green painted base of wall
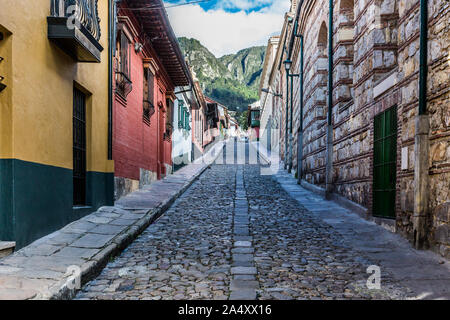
point(36, 199)
point(180, 161)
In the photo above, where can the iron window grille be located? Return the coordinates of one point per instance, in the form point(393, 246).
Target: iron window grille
point(79, 148)
point(148, 106)
point(123, 79)
point(169, 113)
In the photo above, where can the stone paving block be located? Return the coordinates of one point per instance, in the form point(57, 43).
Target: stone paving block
point(242, 244)
point(243, 270)
point(111, 215)
point(108, 229)
point(41, 274)
point(242, 238)
point(242, 257)
point(236, 284)
point(243, 264)
point(63, 238)
point(83, 253)
point(131, 216)
point(122, 222)
point(247, 294)
point(79, 226)
point(40, 250)
point(246, 277)
point(92, 241)
point(241, 231)
point(242, 250)
point(98, 220)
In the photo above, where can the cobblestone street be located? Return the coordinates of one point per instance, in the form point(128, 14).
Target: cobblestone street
point(236, 234)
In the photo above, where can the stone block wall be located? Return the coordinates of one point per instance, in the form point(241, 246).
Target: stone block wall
point(439, 112)
point(315, 91)
point(376, 67)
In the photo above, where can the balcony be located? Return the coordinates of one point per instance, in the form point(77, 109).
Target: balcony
point(74, 26)
point(254, 123)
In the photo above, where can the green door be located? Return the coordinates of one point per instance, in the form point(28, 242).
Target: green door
point(385, 163)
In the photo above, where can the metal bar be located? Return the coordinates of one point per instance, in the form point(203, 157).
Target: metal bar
point(330, 64)
point(110, 75)
point(423, 57)
point(301, 84)
point(286, 121)
point(292, 103)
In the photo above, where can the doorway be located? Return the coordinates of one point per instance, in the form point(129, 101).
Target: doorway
point(385, 163)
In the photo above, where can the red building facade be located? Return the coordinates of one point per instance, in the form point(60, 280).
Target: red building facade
point(148, 66)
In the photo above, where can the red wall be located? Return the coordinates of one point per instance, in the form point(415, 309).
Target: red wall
point(135, 143)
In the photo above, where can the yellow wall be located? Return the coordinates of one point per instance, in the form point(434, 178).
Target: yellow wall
point(42, 90)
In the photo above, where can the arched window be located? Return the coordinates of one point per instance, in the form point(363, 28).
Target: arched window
point(323, 39)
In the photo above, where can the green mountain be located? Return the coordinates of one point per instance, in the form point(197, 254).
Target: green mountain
point(233, 79)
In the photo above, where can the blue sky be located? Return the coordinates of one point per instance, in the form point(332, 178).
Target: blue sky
point(229, 6)
point(227, 26)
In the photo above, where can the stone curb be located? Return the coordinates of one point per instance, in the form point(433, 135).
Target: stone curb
point(61, 290)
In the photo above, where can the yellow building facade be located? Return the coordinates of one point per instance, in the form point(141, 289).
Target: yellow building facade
point(47, 87)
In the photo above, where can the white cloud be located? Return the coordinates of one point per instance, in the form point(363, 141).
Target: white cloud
point(225, 32)
point(242, 4)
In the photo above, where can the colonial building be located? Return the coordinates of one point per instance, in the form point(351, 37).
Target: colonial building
point(183, 122)
point(224, 121)
point(54, 152)
point(269, 122)
point(198, 116)
point(234, 128)
point(253, 121)
point(211, 129)
point(148, 65)
point(368, 100)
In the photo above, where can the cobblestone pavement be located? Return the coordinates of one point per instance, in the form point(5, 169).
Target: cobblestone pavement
point(300, 257)
point(236, 234)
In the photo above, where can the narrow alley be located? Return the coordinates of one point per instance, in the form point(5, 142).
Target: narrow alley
point(237, 234)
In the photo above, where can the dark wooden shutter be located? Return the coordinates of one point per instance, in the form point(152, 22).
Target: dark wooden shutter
point(385, 163)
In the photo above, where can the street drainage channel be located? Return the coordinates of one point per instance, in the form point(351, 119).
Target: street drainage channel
point(243, 285)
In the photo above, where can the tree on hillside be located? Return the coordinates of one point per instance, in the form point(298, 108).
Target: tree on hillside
point(243, 120)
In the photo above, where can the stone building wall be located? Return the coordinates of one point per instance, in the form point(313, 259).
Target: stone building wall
point(439, 110)
point(376, 67)
point(315, 90)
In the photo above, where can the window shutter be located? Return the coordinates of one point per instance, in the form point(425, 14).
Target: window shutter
point(150, 83)
point(186, 120)
point(124, 49)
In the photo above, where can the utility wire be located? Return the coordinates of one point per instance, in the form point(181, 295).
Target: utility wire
point(160, 7)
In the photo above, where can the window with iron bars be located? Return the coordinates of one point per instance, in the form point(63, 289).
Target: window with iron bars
point(169, 120)
point(123, 78)
point(148, 104)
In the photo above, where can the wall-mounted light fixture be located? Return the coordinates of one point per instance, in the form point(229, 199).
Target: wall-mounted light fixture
point(287, 64)
point(269, 92)
point(2, 85)
point(138, 47)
